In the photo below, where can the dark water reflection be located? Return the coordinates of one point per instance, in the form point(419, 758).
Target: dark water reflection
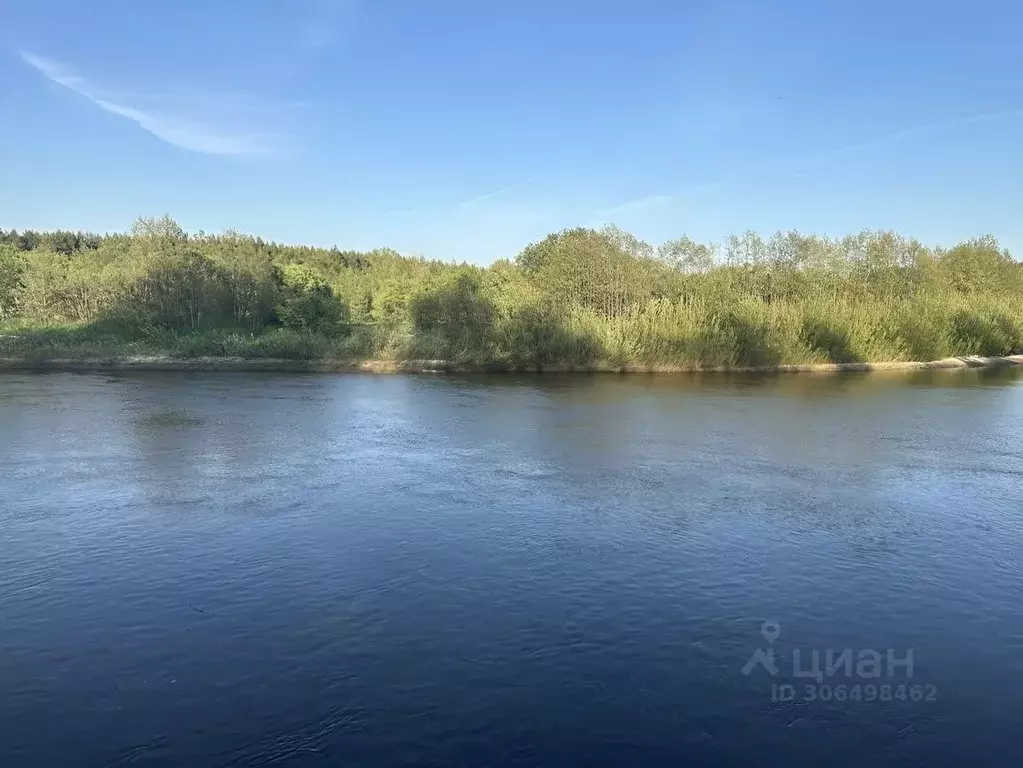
point(204, 569)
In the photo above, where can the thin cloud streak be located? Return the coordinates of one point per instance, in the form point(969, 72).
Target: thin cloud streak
point(491, 195)
point(184, 132)
point(640, 205)
point(801, 168)
point(911, 133)
point(454, 207)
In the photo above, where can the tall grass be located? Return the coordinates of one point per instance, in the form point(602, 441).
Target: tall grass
point(749, 332)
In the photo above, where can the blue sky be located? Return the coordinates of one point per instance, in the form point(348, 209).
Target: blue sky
point(463, 129)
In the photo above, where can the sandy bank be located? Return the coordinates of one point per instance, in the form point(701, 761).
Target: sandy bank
point(163, 363)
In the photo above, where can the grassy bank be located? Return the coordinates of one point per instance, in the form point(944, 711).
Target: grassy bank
point(576, 299)
point(663, 335)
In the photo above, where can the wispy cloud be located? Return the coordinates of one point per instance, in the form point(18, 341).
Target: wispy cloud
point(802, 167)
point(633, 207)
point(485, 232)
point(897, 137)
point(175, 122)
point(471, 204)
point(491, 195)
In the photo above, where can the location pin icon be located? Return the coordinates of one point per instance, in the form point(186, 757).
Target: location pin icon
point(770, 630)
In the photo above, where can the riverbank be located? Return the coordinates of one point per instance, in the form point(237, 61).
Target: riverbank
point(166, 363)
point(579, 300)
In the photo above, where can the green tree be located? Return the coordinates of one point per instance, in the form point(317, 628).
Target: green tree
point(12, 266)
point(980, 265)
point(456, 312)
point(687, 256)
point(590, 268)
point(161, 227)
point(307, 302)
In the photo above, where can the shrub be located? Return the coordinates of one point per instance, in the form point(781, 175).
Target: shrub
point(307, 303)
point(12, 265)
point(975, 332)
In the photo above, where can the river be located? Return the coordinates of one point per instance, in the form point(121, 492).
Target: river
point(241, 570)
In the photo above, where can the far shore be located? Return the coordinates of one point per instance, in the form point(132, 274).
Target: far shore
point(167, 363)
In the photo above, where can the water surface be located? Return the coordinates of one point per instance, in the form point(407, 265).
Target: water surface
point(243, 570)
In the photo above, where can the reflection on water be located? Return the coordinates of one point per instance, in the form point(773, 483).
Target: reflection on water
point(159, 421)
point(226, 569)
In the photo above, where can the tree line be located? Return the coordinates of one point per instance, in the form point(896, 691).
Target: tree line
point(575, 297)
